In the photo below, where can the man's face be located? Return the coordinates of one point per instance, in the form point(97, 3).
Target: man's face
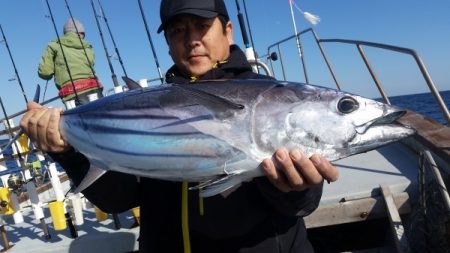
point(196, 44)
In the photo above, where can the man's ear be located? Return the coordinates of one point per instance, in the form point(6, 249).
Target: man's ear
point(229, 32)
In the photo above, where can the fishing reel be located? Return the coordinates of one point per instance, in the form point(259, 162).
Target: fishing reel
point(35, 170)
point(37, 175)
point(15, 182)
point(5, 206)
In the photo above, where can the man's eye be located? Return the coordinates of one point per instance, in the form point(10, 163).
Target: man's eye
point(204, 26)
point(176, 30)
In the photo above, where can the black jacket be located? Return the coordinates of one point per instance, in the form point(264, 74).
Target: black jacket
point(257, 217)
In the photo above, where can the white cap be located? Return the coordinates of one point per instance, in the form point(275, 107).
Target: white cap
point(73, 26)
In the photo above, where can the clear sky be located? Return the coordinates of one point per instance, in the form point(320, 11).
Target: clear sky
point(417, 24)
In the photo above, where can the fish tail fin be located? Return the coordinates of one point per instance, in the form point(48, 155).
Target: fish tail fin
point(91, 176)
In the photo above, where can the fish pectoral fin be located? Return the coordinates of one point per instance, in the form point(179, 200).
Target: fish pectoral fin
point(219, 106)
point(219, 185)
point(91, 176)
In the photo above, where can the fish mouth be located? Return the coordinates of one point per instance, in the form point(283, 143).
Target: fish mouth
point(379, 132)
point(382, 120)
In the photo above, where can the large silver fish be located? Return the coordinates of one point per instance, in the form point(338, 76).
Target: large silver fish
point(218, 132)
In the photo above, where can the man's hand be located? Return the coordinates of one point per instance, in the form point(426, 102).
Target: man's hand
point(41, 125)
point(294, 171)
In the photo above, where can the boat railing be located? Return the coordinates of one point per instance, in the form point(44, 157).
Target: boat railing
point(25, 110)
point(260, 65)
point(359, 45)
point(427, 161)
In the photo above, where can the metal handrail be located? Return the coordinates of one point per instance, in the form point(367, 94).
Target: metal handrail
point(24, 111)
point(322, 51)
point(260, 64)
point(426, 156)
point(408, 51)
point(359, 44)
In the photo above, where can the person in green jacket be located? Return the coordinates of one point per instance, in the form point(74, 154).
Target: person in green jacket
point(70, 60)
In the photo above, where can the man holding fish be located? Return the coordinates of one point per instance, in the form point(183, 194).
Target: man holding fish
point(262, 215)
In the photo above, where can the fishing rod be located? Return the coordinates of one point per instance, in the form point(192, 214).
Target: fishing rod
point(6, 244)
point(14, 64)
point(14, 138)
point(112, 38)
point(113, 74)
point(77, 99)
point(30, 185)
point(242, 25)
point(25, 110)
point(297, 40)
point(151, 42)
point(81, 40)
point(17, 185)
point(249, 50)
point(249, 29)
point(8, 125)
point(36, 204)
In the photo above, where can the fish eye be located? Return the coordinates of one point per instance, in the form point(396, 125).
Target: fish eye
point(347, 105)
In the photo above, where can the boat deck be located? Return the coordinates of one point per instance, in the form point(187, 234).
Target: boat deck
point(361, 175)
point(93, 236)
point(356, 196)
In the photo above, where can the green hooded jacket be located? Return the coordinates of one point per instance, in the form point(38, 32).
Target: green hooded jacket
point(52, 61)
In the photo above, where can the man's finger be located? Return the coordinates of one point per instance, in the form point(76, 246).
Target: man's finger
point(53, 134)
point(325, 168)
point(275, 176)
point(33, 105)
point(286, 166)
point(40, 123)
point(306, 168)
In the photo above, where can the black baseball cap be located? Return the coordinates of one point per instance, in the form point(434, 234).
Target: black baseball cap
point(202, 8)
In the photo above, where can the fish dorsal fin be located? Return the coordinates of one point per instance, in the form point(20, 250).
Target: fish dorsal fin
point(37, 94)
point(131, 84)
point(220, 107)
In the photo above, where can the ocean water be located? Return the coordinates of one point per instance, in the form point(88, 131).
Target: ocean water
point(422, 103)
